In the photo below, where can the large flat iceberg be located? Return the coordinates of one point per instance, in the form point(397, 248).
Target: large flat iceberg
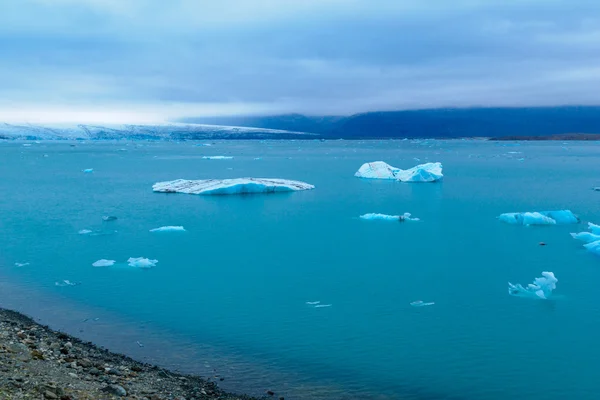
point(540, 218)
point(541, 288)
point(385, 217)
point(230, 186)
point(429, 172)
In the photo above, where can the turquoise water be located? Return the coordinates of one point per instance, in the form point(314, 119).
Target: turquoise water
point(236, 283)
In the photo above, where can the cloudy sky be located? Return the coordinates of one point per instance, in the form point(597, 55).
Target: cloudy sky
point(153, 60)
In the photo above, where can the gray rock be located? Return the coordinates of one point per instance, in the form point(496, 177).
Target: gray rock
point(115, 390)
point(49, 395)
point(94, 371)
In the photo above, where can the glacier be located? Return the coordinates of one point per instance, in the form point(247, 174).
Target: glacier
point(230, 186)
point(539, 218)
point(168, 229)
point(541, 288)
point(104, 263)
point(429, 172)
point(141, 262)
point(385, 217)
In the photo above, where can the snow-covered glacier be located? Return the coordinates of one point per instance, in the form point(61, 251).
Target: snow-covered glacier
point(230, 186)
point(560, 217)
point(429, 172)
point(167, 131)
point(541, 288)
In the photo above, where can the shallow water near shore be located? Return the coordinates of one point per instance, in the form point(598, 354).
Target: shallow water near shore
point(233, 288)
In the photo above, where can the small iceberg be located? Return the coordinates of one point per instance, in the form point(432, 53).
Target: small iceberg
point(541, 288)
point(591, 239)
point(84, 232)
point(312, 303)
point(560, 217)
point(168, 229)
point(385, 217)
point(230, 186)
point(141, 262)
point(429, 172)
point(104, 263)
point(88, 170)
point(19, 265)
point(217, 158)
point(421, 303)
point(66, 283)
point(108, 218)
point(323, 305)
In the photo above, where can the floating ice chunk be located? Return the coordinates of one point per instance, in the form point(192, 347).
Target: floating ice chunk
point(312, 303)
point(19, 265)
point(66, 283)
point(421, 303)
point(323, 305)
point(257, 158)
point(95, 233)
point(141, 262)
point(540, 218)
point(597, 189)
point(385, 217)
point(217, 158)
point(84, 232)
point(540, 288)
point(594, 247)
point(586, 237)
point(594, 228)
point(377, 170)
point(104, 263)
point(88, 170)
point(26, 144)
point(109, 218)
point(429, 172)
point(230, 186)
point(204, 144)
point(168, 229)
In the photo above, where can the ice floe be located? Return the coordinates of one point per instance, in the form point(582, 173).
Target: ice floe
point(541, 287)
point(217, 158)
point(141, 262)
point(540, 218)
point(66, 283)
point(421, 303)
point(230, 186)
point(104, 263)
point(591, 239)
point(168, 229)
point(429, 172)
point(385, 217)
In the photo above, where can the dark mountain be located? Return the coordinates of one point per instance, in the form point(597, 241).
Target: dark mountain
point(433, 123)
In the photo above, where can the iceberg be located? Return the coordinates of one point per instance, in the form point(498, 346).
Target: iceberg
point(104, 263)
point(84, 232)
point(19, 265)
point(141, 262)
point(230, 186)
point(168, 229)
point(596, 189)
point(591, 239)
point(594, 228)
point(541, 288)
point(421, 303)
point(429, 172)
point(586, 237)
point(384, 217)
point(66, 283)
point(88, 170)
point(540, 218)
point(594, 247)
point(217, 158)
point(109, 218)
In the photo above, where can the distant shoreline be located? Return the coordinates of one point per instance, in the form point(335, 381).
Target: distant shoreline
point(562, 137)
point(38, 362)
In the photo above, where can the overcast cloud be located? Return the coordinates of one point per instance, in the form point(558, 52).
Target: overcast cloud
point(152, 60)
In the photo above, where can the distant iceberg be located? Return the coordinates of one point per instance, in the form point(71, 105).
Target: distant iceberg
point(586, 237)
point(429, 172)
point(19, 265)
point(385, 217)
point(88, 170)
point(560, 217)
point(168, 229)
point(421, 303)
point(108, 218)
point(104, 263)
point(84, 232)
point(230, 186)
point(541, 288)
point(217, 158)
point(141, 262)
point(66, 283)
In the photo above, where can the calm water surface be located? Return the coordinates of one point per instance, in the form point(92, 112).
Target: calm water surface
point(230, 293)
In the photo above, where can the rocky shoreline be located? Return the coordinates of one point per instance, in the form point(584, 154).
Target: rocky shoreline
point(39, 363)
